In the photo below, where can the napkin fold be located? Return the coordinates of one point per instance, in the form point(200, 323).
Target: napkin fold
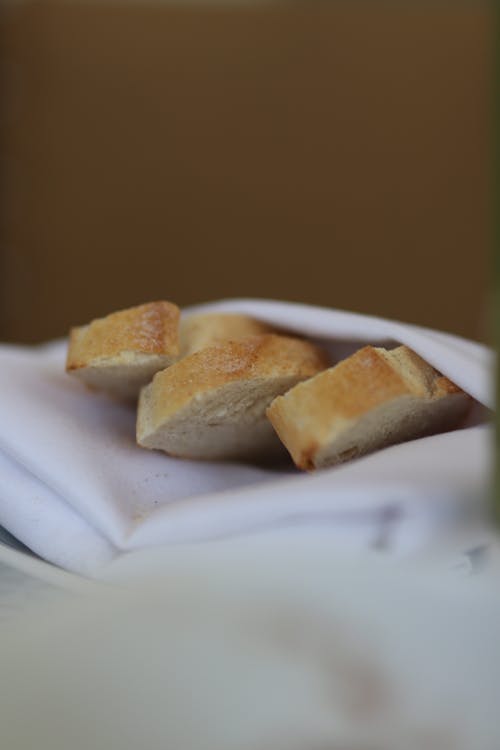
point(76, 489)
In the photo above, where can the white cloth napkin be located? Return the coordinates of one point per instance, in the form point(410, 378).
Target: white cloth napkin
point(252, 644)
point(76, 489)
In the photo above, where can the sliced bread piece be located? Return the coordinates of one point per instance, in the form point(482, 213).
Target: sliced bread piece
point(370, 400)
point(206, 329)
point(212, 404)
point(121, 352)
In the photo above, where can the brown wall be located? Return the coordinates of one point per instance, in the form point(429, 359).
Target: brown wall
point(334, 153)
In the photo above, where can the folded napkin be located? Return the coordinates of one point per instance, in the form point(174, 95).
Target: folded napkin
point(76, 489)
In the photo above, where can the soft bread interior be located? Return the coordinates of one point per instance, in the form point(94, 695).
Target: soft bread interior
point(228, 422)
point(212, 403)
point(123, 376)
point(405, 418)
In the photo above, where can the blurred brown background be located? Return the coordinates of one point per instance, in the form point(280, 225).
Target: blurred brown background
point(333, 153)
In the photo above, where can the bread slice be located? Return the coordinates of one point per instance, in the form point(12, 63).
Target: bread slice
point(212, 404)
point(121, 352)
point(370, 400)
point(206, 329)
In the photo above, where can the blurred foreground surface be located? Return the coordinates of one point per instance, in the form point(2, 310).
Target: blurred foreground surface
point(289, 646)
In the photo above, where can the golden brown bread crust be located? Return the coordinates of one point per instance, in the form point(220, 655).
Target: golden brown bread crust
point(151, 328)
point(306, 417)
point(264, 356)
point(207, 329)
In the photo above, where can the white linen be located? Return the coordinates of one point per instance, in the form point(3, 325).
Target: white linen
point(76, 489)
point(255, 645)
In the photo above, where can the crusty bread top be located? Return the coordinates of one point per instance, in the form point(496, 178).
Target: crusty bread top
point(371, 377)
point(151, 328)
point(254, 357)
point(206, 329)
point(367, 379)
